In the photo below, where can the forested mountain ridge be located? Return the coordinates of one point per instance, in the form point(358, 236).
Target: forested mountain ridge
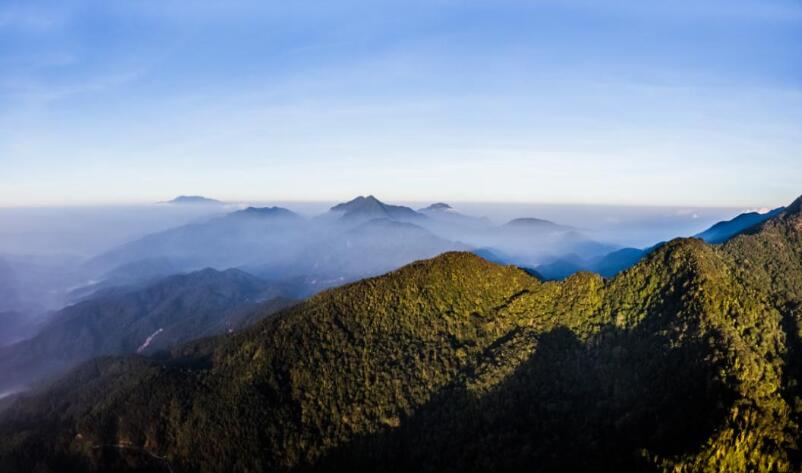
point(685, 362)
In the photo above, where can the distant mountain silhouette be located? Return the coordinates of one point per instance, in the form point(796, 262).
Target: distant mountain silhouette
point(437, 207)
point(607, 265)
point(535, 223)
point(266, 212)
point(444, 219)
point(233, 240)
point(353, 240)
point(369, 208)
point(375, 247)
point(193, 200)
point(723, 231)
point(125, 277)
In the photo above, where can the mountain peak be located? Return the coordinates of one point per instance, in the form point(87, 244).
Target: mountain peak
point(193, 200)
point(262, 212)
point(369, 207)
point(530, 222)
point(358, 203)
point(438, 207)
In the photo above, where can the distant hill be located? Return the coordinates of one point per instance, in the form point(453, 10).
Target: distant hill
point(607, 265)
point(530, 223)
point(173, 310)
point(369, 208)
point(688, 361)
point(126, 277)
point(276, 243)
point(447, 221)
point(438, 207)
point(533, 241)
point(723, 231)
point(233, 240)
point(375, 247)
point(193, 200)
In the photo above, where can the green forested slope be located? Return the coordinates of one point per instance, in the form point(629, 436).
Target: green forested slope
point(685, 362)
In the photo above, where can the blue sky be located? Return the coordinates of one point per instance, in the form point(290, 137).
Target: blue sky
point(615, 102)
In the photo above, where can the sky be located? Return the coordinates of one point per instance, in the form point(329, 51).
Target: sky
point(624, 102)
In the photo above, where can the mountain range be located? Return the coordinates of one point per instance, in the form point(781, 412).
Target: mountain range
point(364, 241)
point(687, 361)
point(612, 263)
point(723, 231)
point(356, 239)
point(143, 320)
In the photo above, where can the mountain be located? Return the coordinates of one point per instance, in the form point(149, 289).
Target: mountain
point(125, 277)
point(613, 263)
point(144, 320)
point(444, 220)
point(276, 213)
point(14, 326)
point(370, 208)
point(437, 207)
point(531, 242)
point(563, 267)
point(193, 200)
point(374, 247)
point(239, 238)
point(688, 361)
point(723, 231)
point(529, 223)
point(607, 265)
point(276, 244)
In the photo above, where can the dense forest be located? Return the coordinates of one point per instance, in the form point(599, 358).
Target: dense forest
point(688, 361)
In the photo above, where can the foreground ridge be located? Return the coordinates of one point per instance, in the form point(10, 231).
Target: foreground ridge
point(685, 362)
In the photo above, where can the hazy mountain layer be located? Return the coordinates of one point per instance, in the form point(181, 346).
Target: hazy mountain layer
point(344, 244)
point(194, 200)
point(685, 362)
point(369, 208)
point(144, 320)
point(608, 265)
point(723, 231)
point(616, 261)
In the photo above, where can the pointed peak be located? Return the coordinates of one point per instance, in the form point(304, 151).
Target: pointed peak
point(358, 202)
point(370, 207)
